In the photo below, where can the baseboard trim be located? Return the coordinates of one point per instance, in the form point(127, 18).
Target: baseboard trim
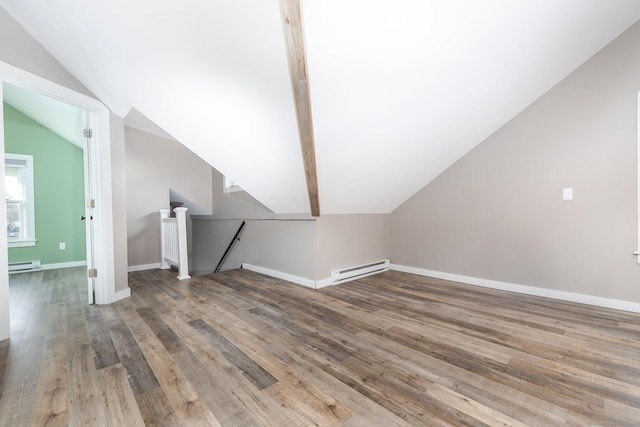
point(522, 289)
point(324, 283)
point(143, 267)
point(308, 283)
point(63, 265)
point(125, 293)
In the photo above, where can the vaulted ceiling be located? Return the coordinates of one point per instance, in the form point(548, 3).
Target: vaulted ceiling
point(59, 117)
point(399, 90)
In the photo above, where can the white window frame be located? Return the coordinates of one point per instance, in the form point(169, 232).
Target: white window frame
point(24, 163)
point(228, 186)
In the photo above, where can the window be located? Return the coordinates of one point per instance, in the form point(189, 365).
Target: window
point(18, 181)
point(230, 186)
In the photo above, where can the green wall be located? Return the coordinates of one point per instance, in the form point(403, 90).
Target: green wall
point(59, 190)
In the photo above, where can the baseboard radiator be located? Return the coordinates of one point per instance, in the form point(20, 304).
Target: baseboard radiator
point(353, 273)
point(24, 266)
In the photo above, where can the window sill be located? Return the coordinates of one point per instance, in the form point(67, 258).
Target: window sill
point(233, 189)
point(22, 243)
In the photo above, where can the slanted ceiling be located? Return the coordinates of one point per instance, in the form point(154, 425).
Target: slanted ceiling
point(399, 89)
point(59, 117)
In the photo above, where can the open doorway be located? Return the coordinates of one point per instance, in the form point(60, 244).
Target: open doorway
point(96, 118)
point(44, 181)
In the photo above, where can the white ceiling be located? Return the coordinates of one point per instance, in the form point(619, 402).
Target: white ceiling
point(399, 89)
point(136, 119)
point(59, 117)
point(65, 119)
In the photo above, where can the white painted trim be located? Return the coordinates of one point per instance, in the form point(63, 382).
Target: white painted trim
point(637, 251)
point(183, 253)
point(228, 186)
point(359, 271)
point(280, 275)
point(522, 289)
point(324, 283)
point(143, 267)
point(4, 250)
point(164, 263)
point(103, 194)
point(22, 243)
point(25, 174)
point(117, 296)
point(63, 265)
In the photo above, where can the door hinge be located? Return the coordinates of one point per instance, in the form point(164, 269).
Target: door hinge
point(92, 272)
point(87, 133)
point(90, 203)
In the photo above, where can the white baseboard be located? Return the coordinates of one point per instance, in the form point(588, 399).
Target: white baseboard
point(63, 265)
point(522, 289)
point(280, 275)
point(143, 267)
point(125, 293)
point(324, 282)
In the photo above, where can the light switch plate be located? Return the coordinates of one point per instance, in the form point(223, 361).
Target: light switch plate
point(567, 194)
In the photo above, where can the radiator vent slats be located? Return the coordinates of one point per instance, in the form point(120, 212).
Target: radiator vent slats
point(24, 266)
point(352, 273)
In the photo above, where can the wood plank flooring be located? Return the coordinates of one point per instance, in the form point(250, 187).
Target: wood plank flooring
point(242, 349)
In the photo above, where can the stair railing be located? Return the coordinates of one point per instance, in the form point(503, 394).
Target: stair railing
point(235, 239)
point(173, 242)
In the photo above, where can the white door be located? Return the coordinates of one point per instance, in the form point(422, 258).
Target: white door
point(89, 205)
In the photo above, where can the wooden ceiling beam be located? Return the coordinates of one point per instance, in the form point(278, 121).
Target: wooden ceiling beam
point(297, 57)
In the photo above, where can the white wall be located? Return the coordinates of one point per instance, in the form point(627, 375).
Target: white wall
point(154, 167)
point(498, 213)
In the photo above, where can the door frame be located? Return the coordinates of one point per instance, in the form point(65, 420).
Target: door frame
point(101, 176)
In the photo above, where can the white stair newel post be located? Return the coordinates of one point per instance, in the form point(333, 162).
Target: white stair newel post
point(183, 254)
point(164, 214)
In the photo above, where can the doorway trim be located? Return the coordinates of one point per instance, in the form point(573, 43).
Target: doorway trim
point(637, 251)
point(101, 174)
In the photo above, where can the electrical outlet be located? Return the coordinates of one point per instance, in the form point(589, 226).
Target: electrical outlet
point(63, 246)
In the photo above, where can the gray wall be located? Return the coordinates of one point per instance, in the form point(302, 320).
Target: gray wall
point(154, 166)
point(498, 213)
point(235, 204)
point(307, 248)
point(350, 240)
point(19, 49)
point(287, 246)
point(279, 242)
point(119, 207)
point(294, 244)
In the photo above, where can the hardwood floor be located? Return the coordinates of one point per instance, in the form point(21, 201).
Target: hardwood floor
point(241, 349)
